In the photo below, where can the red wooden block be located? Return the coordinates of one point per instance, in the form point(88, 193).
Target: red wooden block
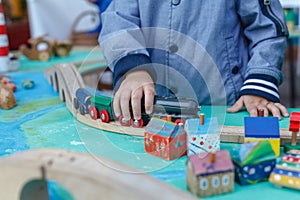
point(294, 122)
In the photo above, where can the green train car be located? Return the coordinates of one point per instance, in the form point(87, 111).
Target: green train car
point(101, 107)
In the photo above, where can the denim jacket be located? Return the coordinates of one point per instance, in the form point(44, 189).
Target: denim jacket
point(214, 50)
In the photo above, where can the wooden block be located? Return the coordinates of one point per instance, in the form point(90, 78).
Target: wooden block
point(263, 128)
point(202, 138)
point(253, 162)
point(165, 139)
point(7, 98)
point(206, 178)
point(287, 171)
point(289, 146)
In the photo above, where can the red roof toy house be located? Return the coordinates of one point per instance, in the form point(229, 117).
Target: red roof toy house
point(294, 128)
point(210, 174)
point(165, 139)
point(263, 129)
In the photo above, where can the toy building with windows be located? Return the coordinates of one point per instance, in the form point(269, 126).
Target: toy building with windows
point(210, 174)
point(253, 162)
point(202, 137)
point(165, 139)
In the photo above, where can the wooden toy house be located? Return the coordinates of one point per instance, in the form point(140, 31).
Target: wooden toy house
point(287, 171)
point(210, 174)
point(202, 137)
point(253, 162)
point(165, 139)
point(294, 128)
point(263, 128)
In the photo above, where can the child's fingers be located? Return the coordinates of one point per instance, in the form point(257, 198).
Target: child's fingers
point(116, 106)
point(136, 103)
point(237, 106)
point(283, 109)
point(149, 92)
point(124, 103)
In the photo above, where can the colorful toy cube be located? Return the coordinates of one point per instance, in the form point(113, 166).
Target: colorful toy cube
point(253, 162)
point(210, 174)
point(287, 171)
point(263, 128)
point(165, 139)
point(202, 138)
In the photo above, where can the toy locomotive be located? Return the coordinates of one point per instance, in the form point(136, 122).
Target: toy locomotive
point(100, 106)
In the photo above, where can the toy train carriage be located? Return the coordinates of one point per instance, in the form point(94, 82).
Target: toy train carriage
point(179, 108)
point(82, 100)
point(95, 106)
point(101, 107)
point(176, 108)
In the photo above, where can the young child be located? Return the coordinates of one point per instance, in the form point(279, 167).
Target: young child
point(220, 52)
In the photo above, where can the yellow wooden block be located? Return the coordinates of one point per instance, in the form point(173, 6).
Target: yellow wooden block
point(275, 143)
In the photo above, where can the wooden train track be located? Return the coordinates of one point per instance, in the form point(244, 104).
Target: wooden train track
point(66, 80)
point(24, 175)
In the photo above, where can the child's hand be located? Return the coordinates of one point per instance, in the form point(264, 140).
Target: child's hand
point(254, 103)
point(132, 89)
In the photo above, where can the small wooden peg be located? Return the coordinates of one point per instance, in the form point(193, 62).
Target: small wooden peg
point(294, 138)
point(260, 112)
point(202, 118)
point(169, 118)
point(212, 157)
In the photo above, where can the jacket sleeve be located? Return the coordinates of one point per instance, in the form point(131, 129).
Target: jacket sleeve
point(266, 33)
point(121, 38)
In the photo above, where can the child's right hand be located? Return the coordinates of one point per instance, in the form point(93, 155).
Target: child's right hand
point(132, 89)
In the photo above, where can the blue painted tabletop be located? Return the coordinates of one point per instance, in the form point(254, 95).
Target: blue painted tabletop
point(41, 120)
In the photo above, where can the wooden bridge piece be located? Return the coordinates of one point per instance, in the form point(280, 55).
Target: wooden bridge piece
point(84, 176)
point(66, 79)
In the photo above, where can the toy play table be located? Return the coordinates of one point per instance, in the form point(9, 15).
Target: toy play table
point(41, 120)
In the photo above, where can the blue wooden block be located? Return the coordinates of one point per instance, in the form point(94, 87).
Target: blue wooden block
point(261, 127)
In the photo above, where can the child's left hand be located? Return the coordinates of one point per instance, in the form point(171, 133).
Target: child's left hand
point(254, 103)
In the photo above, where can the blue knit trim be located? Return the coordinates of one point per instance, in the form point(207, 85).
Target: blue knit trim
point(261, 85)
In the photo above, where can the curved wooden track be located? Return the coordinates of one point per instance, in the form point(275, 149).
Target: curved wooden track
point(66, 79)
point(84, 176)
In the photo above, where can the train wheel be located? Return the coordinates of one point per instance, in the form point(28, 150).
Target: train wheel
point(75, 103)
point(179, 121)
point(81, 110)
point(104, 116)
point(123, 122)
point(137, 123)
point(93, 112)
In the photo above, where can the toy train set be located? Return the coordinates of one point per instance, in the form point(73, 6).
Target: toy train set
point(100, 106)
point(169, 140)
